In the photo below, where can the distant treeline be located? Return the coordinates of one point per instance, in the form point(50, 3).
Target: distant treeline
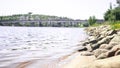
point(42, 20)
point(38, 20)
point(31, 16)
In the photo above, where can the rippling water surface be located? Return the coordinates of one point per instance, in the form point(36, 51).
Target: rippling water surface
point(21, 44)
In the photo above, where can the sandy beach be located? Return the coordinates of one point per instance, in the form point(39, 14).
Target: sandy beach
point(73, 61)
point(79, 61)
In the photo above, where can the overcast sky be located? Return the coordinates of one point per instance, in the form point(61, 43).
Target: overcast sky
point(76, 9)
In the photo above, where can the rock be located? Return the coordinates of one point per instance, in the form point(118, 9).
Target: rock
point(92, 39)
point(95, 46)
point(100, 38)
point(97, 31)
point(90, 30)
point(110, 53)
point(89, 48)
point(85, 43)
point(105, 40)
point(113, 62)
point(115, 48)
point(14, 49)
point(82, 49)
point(110, 45)
point(103, 46)
point(111, 32)
point(103, 43)
point(103, 33)
point(86, 53)
point(117, 53)
point(116, 39)
point(97, 52)
point(113, 51)
point(118, 33)
point(102, 56)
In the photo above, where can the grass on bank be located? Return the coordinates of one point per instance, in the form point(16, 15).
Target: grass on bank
point(114, 25)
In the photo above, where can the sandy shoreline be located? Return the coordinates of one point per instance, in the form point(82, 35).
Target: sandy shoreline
point(71, 61)
point(79, 61)
point(42, 63)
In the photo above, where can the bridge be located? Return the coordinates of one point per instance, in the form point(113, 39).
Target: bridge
point(40, 23)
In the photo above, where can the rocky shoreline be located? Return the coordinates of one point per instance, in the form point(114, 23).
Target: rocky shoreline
point(103, 43)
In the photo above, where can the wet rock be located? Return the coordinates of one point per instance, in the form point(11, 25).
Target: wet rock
point(97, 52)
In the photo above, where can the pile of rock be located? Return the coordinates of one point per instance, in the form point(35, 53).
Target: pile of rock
point(102, 42)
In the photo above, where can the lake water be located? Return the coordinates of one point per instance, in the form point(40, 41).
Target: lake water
point(22, 44)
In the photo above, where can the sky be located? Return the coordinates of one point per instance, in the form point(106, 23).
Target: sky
point(76, 9)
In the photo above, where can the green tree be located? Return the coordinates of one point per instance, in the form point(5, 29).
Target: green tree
point(116, 13)
point(112, 14)
point(92, 20)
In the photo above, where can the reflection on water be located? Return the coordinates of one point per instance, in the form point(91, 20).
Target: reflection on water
point(21, 44)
